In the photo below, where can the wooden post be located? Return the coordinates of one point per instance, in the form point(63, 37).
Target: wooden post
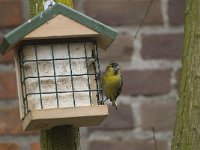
point(62, 137)
point(187, 127)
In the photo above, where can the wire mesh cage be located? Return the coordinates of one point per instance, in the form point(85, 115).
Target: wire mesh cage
point(59, 75)
point(59, 83)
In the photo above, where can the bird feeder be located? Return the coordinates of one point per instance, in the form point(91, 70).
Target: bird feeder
point(57, 68)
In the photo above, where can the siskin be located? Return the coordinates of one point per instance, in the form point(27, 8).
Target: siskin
point(112, 83)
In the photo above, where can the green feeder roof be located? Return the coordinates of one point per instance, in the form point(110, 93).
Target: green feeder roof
point(15, 36)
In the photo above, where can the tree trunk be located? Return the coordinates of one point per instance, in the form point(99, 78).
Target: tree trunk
point(187, 127)
point(36, 6)
point(62, 137)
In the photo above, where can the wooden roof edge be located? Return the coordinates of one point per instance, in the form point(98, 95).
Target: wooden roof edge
point(18, 33)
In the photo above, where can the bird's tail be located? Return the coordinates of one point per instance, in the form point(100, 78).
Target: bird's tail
point(114, 104)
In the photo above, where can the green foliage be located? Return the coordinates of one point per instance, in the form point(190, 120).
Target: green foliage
point(69, 3)
point(36, 6)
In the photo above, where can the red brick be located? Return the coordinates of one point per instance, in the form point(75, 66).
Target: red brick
point(35, 146)
point(10, 13)
point(8, 85)
point(1, 37)
point(76, 4)
point(176, 12)
point(127, 145)
point(162, 46)
point(9, 121)
point(121, 49)
point(147, 82)
point(120, 119)
point(123, 12)
point(9, 146)
point(7, 58)
point(158, 114)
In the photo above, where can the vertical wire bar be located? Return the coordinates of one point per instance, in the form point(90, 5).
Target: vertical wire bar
point(96, 76)
point(54, 68)
point(38, 74)
point(99, 71)
point(71, 75)
point(88, 78)
point(25, 101)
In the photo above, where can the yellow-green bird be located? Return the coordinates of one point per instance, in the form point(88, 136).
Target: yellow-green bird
point(112, 83)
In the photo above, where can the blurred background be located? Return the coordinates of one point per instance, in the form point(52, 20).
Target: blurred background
point(150, 66)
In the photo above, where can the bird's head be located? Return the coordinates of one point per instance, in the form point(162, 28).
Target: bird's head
point(115, 67)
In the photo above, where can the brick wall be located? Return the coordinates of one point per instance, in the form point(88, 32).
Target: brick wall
point(150, 66)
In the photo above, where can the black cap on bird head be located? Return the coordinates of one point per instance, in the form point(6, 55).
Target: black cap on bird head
point(115, 66)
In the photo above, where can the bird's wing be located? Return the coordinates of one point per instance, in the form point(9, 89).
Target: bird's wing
point(119, 87)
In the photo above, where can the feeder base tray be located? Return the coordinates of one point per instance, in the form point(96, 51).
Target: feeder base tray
point(79, 116)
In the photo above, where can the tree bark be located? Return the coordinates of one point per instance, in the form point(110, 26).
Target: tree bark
point(187, 127)
point(62, 137)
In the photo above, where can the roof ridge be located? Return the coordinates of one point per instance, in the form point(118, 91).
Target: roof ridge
point(17, 34)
